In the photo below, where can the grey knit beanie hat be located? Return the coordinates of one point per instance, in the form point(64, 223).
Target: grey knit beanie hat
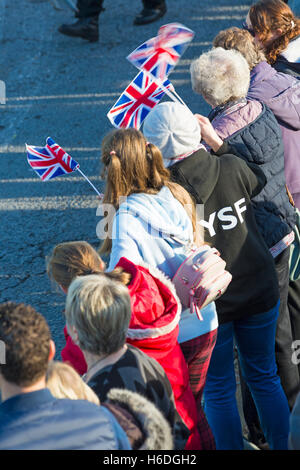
point(173, 128)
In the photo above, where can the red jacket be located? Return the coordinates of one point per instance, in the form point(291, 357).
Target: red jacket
point(154, 329)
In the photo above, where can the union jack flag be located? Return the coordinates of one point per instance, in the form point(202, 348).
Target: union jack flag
point(159, 55)
point(136, 101)
point(50, 161)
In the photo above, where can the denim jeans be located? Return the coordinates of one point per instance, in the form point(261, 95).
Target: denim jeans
point(254, 337)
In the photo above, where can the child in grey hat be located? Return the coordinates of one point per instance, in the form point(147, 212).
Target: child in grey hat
point(248, 310)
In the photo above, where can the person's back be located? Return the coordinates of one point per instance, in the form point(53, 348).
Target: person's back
point(252, 129)
point(279, 91)
point(224, 184)
point(259, 140)
point(38, 421)
point(137, 372)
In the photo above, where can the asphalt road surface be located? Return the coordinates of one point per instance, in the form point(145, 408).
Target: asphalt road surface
point(63, 87)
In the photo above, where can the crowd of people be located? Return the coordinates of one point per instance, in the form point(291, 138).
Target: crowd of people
point(138, 370)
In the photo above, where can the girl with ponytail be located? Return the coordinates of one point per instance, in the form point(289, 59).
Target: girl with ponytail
point(155, 223)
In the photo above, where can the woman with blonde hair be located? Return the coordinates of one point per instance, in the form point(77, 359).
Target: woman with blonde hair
point(277, 30)
point(155, 223)
point(153, 326)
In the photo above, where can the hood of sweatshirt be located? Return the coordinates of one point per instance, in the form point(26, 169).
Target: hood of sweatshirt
point(155, 306)
point(204, 180)
point(163, 214)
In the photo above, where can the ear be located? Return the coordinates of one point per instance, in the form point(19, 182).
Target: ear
point(52, 350)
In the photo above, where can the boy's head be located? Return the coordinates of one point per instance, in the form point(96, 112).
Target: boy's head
point(98, 312)
point(28, 345)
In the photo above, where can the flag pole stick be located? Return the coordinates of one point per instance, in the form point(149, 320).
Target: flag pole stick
point(172, 94)
point(179, 97)
point(95, 189)
point(161, 85)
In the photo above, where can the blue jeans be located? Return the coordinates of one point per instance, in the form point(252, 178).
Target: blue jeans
point(255, 341)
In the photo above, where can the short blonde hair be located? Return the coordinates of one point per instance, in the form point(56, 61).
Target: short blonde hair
point(64, 382)
point(220, 76)
point(100, 310)
point(242, 41)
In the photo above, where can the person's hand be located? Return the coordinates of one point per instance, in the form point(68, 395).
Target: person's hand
point(208, 133)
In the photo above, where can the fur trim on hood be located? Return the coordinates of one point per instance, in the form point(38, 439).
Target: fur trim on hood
point(157, 431)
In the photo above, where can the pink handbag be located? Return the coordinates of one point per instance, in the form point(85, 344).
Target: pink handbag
point(201, 278)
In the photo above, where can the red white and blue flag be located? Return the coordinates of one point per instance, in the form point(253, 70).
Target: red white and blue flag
point(50, 161)
point(159, 55)
point(136, 101)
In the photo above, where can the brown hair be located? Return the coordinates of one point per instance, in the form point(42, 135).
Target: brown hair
point(269, 16)
point(242, 41)
point(71, 259)
point(136, 166)
point(26, 336)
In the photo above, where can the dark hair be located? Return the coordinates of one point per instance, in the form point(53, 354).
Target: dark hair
point(26, 336)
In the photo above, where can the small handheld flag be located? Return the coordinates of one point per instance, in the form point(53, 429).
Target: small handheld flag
point(160, 54)
point(52, 161)
point(135, 103)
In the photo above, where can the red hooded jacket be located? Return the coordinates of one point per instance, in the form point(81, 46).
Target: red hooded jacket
point(153, 329)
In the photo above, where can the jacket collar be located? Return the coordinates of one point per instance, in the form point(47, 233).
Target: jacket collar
point(226, 108)
point(27, 401)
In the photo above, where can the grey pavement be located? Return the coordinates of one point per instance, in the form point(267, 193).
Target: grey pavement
point(63, 87)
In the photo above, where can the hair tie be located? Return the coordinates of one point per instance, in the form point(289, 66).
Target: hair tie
point(293, 24)
point(112, 153)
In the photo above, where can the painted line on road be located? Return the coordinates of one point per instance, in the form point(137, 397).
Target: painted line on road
point(60, 97)
point(59, 203)
point(69, 179)
point(22, 149)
